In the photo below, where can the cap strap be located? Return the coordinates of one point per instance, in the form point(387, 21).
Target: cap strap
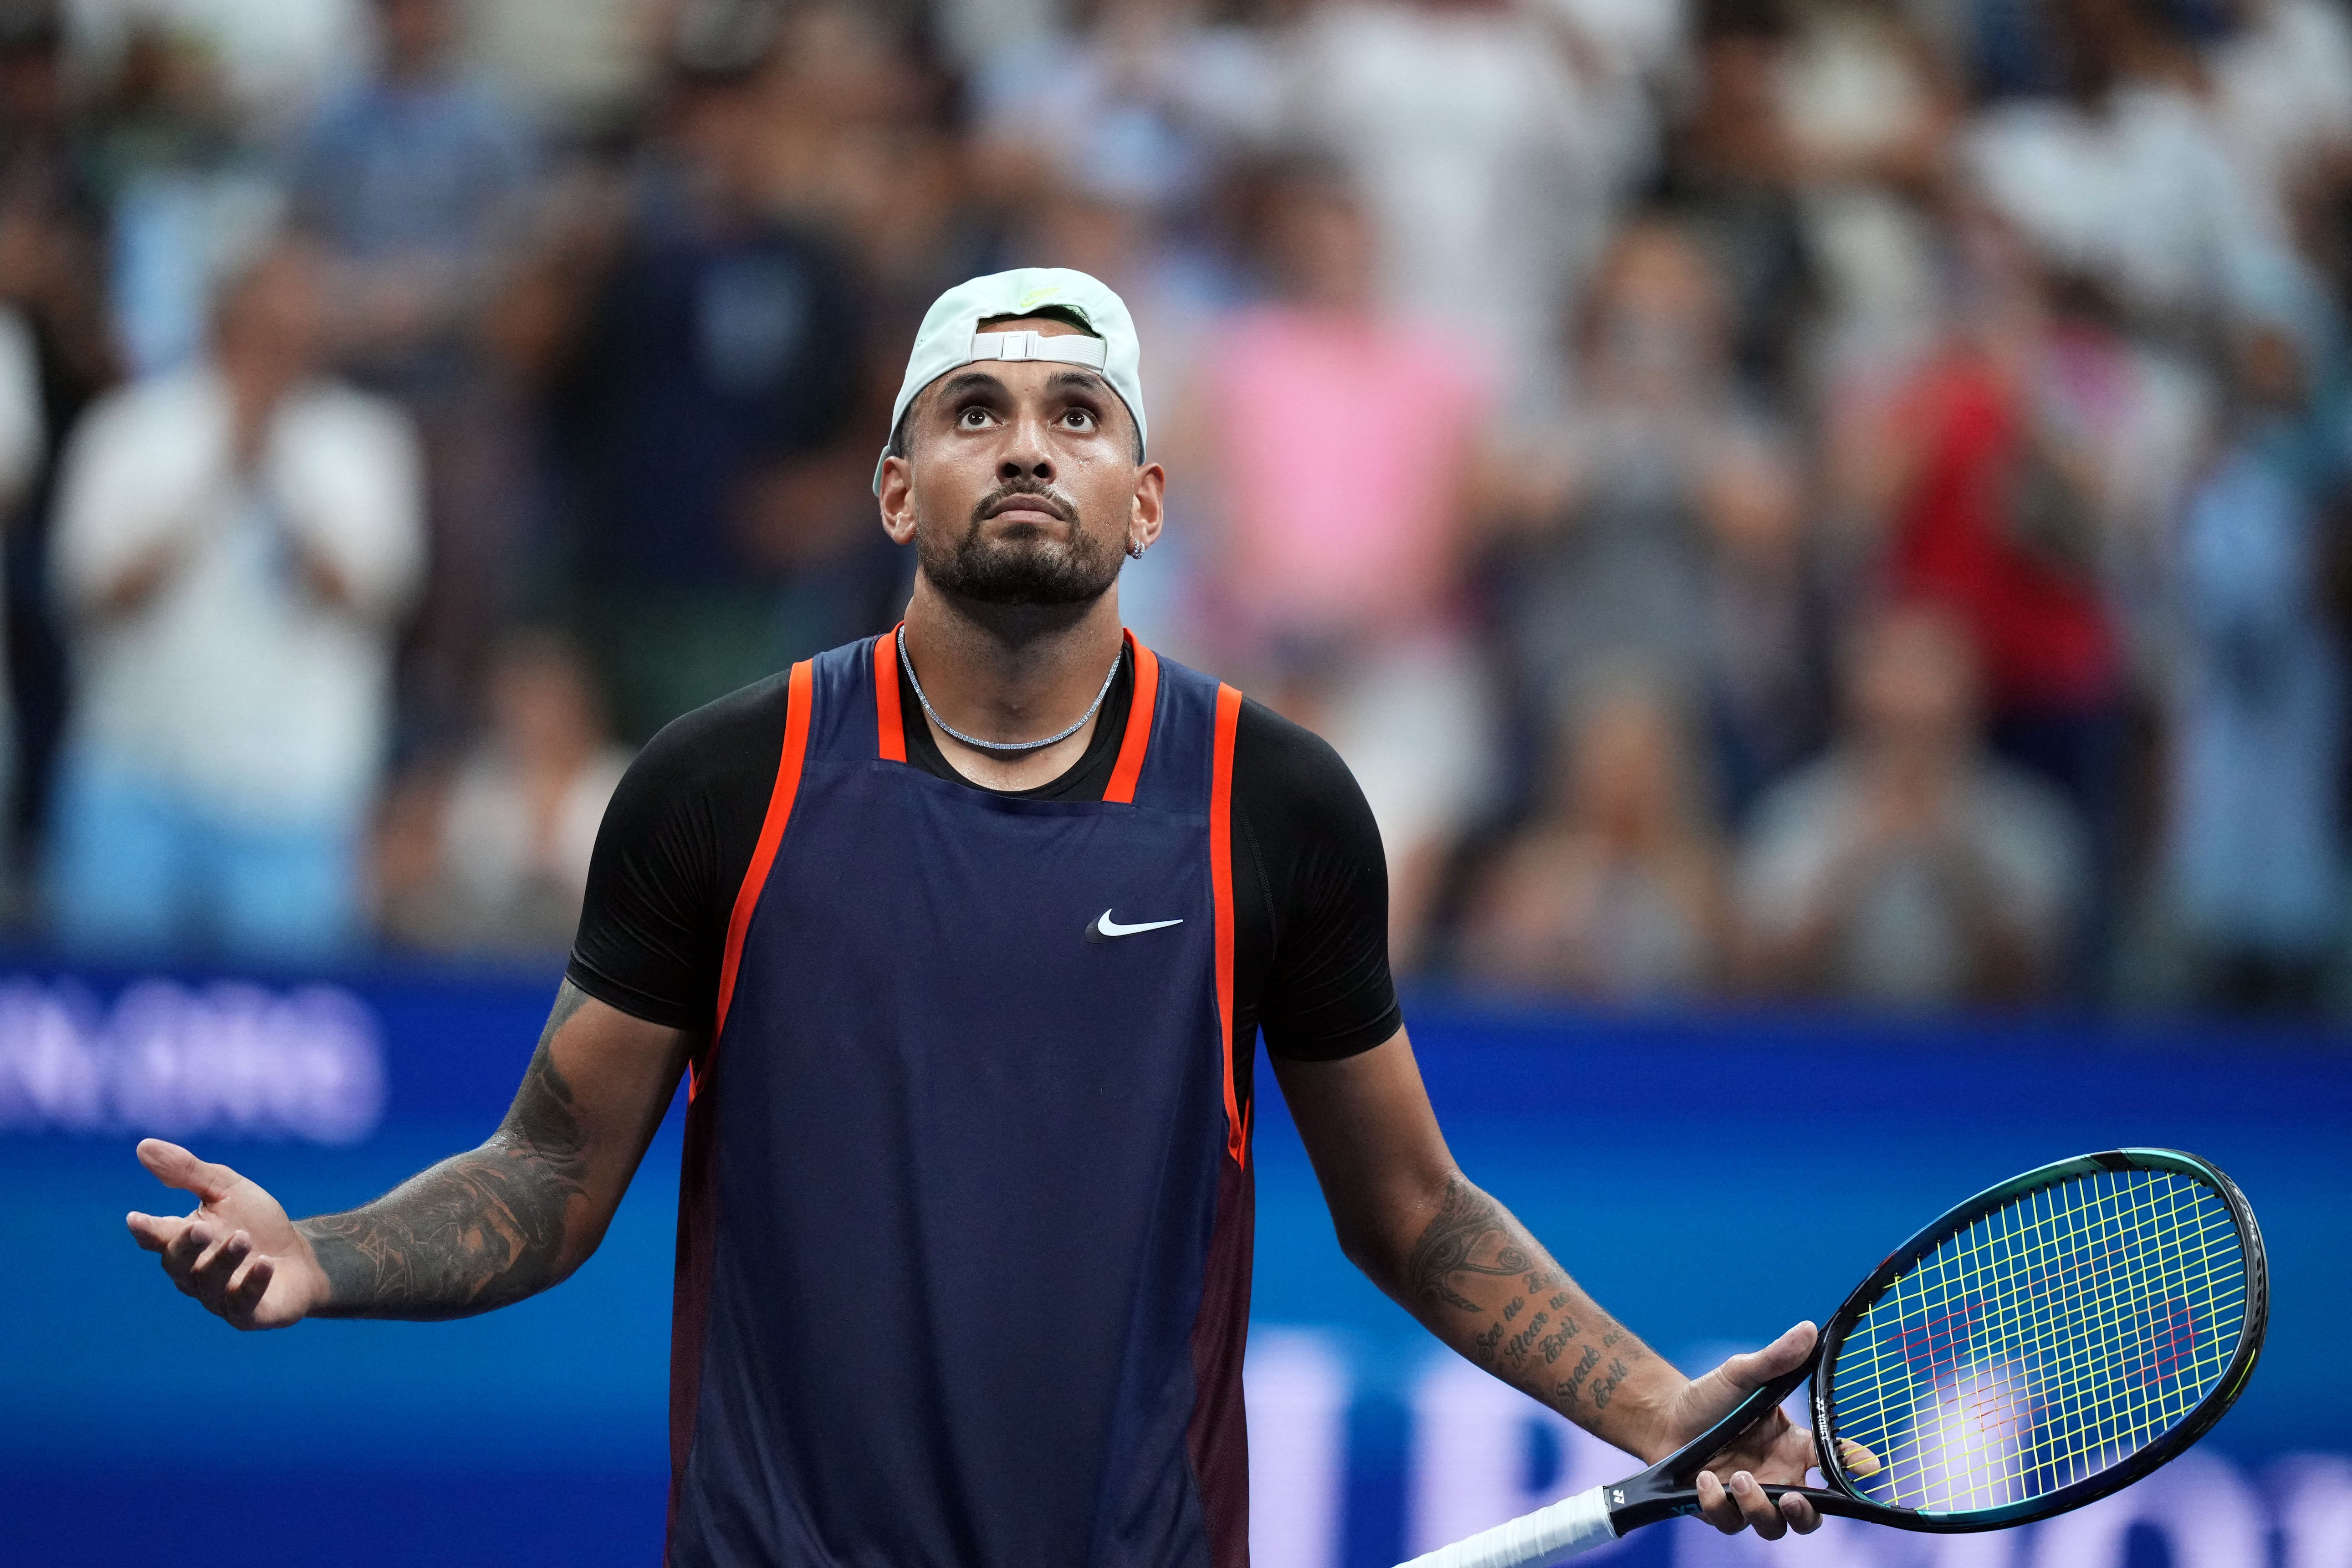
point(1066, 348)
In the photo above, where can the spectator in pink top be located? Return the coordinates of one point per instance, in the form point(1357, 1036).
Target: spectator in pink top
point(1342, 435)
point(1339, 440)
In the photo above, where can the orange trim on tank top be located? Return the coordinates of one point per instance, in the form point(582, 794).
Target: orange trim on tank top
point(764, 857)
point(1221, 882)
point(1138, 739)
point(890, 725)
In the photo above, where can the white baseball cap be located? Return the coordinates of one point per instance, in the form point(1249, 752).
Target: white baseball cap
point(950, 335)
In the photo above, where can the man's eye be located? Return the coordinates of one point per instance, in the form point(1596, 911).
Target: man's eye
point(974, 419)
point(1079, 420)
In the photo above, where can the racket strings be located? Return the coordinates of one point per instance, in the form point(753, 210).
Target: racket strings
point(1983, 1412)
point(2085, 1338)
point(2043, 1343)
point(2090, 1353)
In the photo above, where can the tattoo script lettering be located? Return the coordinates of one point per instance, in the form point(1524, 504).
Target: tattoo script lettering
point(1604, 1390)
point(1567, 1390)
point(1515, 1349)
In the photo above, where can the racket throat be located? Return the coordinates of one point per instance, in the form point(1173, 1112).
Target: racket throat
point(1669, 1490)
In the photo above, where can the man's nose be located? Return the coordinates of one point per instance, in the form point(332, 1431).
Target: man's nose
point(1026, 455)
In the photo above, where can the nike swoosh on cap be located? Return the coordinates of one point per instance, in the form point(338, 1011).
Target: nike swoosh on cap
point(1105, 927)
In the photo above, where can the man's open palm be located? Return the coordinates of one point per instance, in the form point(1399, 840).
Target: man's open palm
point(237, 1253)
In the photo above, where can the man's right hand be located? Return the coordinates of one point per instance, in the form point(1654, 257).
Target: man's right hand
point(237, 1253)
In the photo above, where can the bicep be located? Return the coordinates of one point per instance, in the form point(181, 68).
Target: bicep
point(1373, 1136)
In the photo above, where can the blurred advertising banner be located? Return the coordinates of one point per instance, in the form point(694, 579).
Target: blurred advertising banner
point(1711, 1178)
point(224, 1060)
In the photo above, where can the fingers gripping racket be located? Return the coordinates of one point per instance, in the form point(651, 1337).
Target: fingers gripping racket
point(2039, 1346)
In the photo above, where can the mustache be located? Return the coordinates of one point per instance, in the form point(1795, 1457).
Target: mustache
point(1044, 497)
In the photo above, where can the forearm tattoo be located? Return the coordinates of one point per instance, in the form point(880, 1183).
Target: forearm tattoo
point(1539, 1333)
point(1471, 1234)
point(477, 1231)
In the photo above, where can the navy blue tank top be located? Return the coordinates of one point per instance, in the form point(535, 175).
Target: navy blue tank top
point(964, 1233)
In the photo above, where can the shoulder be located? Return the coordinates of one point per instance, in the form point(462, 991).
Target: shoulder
point(1272, 740)
point(1793, 842)
point(345, 440)
point(1801, 804)
point(688, 805)
point(159, 403)
point(2016, 805)
point(728, 742)
point(339, 408)
point(151, 427)
point(1288, 779)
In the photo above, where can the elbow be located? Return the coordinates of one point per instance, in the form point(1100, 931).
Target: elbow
point(1359, 1245)
point(1381, 1236)
point(577, 1250)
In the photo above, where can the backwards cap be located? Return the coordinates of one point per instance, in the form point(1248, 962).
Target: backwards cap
point(950, 335)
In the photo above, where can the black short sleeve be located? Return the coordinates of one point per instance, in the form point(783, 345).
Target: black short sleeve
point(671, 854)
point(1305, 844)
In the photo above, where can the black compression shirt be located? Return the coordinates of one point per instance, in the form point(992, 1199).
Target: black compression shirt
point(1310, 884)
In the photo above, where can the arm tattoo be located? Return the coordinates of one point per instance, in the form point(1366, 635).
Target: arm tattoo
point(1471, 1234)
point(479, 1230)
point(1538, 1333)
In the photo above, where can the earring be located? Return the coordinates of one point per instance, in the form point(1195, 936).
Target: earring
point(1135, 549)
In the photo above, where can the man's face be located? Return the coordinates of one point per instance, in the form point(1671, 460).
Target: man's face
point(415, 32)
point(273, 323)
point(1020, 485)
point(1913, 684)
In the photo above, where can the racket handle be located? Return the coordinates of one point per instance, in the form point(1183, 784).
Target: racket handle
point(1569, 1528)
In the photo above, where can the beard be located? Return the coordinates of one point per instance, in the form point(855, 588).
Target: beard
point(1035, 567)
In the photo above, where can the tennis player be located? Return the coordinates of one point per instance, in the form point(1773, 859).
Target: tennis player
point(962, 937)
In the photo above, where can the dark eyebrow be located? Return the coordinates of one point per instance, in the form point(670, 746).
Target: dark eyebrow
point(1085, 379)
point(971, 381)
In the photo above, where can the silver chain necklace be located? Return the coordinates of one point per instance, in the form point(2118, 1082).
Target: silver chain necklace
point(908, 666)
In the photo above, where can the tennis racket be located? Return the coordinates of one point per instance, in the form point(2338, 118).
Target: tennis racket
point(2039, 1346)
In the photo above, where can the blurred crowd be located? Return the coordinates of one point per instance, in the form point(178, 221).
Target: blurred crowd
point(1822, 499)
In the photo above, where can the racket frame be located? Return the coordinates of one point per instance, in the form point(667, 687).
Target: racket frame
point(1665, 1490)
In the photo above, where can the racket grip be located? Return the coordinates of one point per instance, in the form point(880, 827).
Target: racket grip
point(1569, 1528)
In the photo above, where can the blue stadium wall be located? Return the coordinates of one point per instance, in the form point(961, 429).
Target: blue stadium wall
point(1711, 1178)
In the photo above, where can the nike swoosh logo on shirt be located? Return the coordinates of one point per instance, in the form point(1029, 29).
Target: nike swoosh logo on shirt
point(1105, 927)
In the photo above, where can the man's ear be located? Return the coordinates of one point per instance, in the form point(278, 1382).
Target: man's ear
point(1150, 508)
point(898, 500)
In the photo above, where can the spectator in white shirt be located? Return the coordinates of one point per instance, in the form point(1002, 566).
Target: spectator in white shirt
point(234, 546)
point(2282, 101)
point(1491, 139)
point(2127, 179)
point(1907, 867)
